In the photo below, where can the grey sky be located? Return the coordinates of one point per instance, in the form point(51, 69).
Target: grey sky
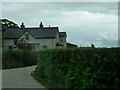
point(84, 22)
point(60, 0)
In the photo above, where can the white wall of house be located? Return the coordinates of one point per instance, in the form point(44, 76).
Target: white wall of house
point(49, 42)
point(41, 44)
point(45, 44)
point(31, 38)
point(63, 41)
point(7, 43)
point(56, 40)
point(57, 37)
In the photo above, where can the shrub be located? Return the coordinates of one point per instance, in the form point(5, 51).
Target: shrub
point(18, 58)
point(80, 68)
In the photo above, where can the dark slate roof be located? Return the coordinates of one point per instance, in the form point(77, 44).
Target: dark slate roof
point(12, 33)
point(62, 34)
point(45, 32)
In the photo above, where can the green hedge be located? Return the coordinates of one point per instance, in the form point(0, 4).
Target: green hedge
point(18, 58)
point(80, 68)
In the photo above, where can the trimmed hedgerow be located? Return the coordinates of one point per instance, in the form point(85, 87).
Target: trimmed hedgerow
point(18, 58)
point(79, 68)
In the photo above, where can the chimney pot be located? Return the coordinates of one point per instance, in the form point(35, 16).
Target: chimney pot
point(22, 25)
point(41, 25)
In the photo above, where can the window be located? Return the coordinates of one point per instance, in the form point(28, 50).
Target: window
point(45, 47)
point(15, 42)
point(27, 36)
point(22, 39)
point(61, 40)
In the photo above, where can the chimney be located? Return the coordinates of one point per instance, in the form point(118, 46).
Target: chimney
point(41, 25)
point(22, 26)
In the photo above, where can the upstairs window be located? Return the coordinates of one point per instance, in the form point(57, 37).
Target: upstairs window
point(27, 36)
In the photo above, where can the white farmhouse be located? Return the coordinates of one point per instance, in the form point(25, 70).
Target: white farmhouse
point(38, 38)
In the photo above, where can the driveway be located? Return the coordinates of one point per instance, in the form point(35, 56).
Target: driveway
point(19, 78)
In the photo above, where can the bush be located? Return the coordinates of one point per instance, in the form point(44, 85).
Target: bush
point(80, 68)
point(18, 58)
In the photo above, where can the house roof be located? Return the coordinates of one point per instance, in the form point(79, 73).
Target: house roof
point(12, 33)
point(62, 34)
point(45, 32)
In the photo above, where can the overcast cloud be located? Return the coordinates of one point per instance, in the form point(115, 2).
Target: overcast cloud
point(84, 22)
point(60, 0)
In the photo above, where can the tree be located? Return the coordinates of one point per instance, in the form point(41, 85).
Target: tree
point(7, 24)
point(22, 44)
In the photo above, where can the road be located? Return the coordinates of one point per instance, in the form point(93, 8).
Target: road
point(19, 78)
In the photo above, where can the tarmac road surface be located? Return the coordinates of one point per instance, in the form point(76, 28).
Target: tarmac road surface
point(19, 78)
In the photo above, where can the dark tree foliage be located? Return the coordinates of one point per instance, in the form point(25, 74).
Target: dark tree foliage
point(5, 23)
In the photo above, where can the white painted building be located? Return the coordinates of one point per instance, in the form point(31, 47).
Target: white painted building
point(38, 38)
